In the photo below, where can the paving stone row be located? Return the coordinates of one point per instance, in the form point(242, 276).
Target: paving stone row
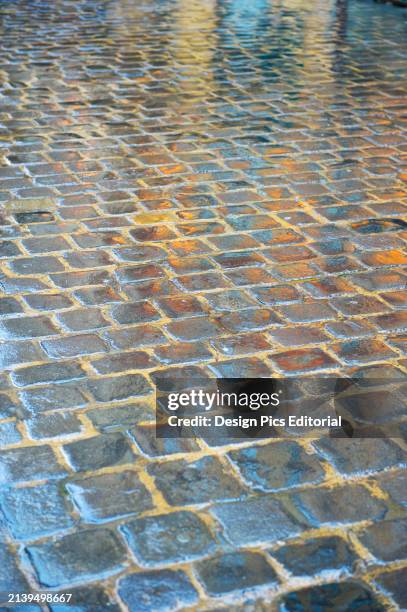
point(198, 189)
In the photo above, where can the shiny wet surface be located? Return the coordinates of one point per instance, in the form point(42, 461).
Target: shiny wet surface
point(198, 188)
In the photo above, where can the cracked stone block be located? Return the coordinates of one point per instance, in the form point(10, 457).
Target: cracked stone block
point(315, 556)
point(257, 520)
point(163, 590)
point(277, 466)
point(34, 512)
point(236, 571)
point(29, 463)
point(168, 538)
point(77, 557)
point(331, 598)
point(386, 540)
point(127, 496)
point(197, 482)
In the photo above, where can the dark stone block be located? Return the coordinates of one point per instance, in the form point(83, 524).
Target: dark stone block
point(99, 452)
point(278, 465)
point(54, 397)
point(109, 496)
point(257, 520)
point(332, 598)
point(77, 557)
point(49, 372)
point(29, 463)
point(11, 577)
point(108, 389)
point(386, 540)
point(353, 456)
point(235, 571)
point(168, 538)
point(157, 590)
point(198, 482)
point(316, 555)
point(395, 584)
point(34, 512)
point(348, 503)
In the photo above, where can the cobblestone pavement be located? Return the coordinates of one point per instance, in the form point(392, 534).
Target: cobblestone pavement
point(198, 187)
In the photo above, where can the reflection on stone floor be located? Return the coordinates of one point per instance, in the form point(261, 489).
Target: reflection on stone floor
point(198, 188)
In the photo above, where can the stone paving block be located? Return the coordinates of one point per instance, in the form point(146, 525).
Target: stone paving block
point(87, 599)
point(237, 571)
point(53, 425)
point(332, 596)
point(108, 389)
point(49, 372)
point(303, 360)
point(9, 434)
point(197, 482)
point(168, 538)
point(72, 346)
point(316, 555)
point(36, 265)
point(157, 590)
point(394, 484)
point(127, 496)
point(256, 520)
point(140, 312)
point(48, 301)
point(34, 512)
point(120, 417)
point(347, 503)
point(394, 583)
point(228, 300)
point(54, 397)
point(210, 192)
point(386, 540)
point(26, 327)
point(150, 444)
point(10, 306)
point(99, 452)
point(12, 578)
point(135, 337)
point(363, 455)
point(8, 408)
point(275, 466)
point(82, 319)
point(77, 557)
point(29, 463)
point(15, 353)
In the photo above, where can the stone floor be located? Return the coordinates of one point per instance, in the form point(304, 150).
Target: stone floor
point(198, 187)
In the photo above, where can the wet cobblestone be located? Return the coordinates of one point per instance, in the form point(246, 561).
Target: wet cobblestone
point(211, 187)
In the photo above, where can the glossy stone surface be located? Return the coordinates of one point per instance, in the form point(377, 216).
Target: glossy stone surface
point(199, 188)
